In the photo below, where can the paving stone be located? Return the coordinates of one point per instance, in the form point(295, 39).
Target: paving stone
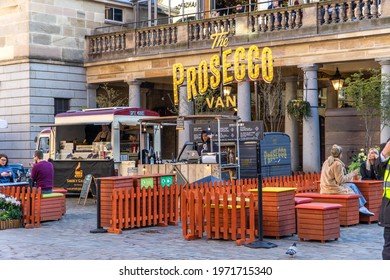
point(70, 238)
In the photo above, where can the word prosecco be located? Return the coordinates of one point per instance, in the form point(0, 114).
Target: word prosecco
point(245, 64)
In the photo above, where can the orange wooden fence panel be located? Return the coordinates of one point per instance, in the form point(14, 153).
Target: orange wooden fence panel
point(133, 207)
point(218, 215)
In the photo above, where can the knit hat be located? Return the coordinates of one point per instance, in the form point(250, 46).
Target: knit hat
point(336, 151)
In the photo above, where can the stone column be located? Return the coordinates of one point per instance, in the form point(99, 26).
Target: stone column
point(134, 94)
point(311, 128)
point(91, 95)
point(185, 108)
point(291, 125)
point(244, 101)
point(385, 69)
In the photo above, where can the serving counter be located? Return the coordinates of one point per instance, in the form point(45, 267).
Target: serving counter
point(188, 173)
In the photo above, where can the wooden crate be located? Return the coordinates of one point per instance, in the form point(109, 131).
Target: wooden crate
point(63, 203)
point(52, 206)
point(107, 184)
point(318, 221)
point(278, 211)
point(372, 191)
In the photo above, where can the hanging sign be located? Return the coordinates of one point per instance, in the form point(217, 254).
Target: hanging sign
point(210, 74)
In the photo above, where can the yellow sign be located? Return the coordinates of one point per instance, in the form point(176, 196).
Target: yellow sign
point(246, 63)
point(231, 101)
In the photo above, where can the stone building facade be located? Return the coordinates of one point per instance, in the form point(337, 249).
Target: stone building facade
point(53, 52)
point(42, 52)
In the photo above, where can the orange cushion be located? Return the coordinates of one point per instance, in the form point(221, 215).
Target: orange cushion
point(300, 200)
point(318, 206)
point(314, 195)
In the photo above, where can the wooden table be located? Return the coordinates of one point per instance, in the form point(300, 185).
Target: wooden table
point(372, 191)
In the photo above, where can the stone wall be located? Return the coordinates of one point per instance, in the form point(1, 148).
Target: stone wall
point(28, 91)
point(42, 49)
point(345, 127)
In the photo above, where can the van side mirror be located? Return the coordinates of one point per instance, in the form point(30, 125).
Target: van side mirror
point(35, 139)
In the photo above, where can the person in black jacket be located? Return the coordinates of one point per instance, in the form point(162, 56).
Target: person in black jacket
point(371, 168)
point(207, 145)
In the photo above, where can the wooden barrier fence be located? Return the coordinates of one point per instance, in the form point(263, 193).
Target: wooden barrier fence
point(133, 207)
point(218, 215)
point(303, 182)
point(30, 199)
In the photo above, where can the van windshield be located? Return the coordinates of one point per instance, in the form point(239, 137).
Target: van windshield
point(43, 144)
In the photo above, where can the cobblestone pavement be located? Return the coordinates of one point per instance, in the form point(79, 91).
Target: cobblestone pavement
point(70, 239)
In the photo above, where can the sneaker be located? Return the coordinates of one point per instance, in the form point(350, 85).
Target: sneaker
point(363, 210)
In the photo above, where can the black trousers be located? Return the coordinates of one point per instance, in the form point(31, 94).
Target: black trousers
point(386, 246)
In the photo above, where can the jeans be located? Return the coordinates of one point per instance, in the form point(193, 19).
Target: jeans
point(386, 246)
point(356, 190)
point(46, 191)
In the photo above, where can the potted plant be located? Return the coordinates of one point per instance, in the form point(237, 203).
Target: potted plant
point(10, 212)
point(299, 109)
point(357, 160)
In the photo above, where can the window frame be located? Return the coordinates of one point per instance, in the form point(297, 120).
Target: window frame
point(113, 20)
point(61, 105)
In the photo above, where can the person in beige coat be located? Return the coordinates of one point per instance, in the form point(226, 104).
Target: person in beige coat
point(334, 179)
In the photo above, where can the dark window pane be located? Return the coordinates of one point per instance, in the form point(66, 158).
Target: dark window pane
point(118, 15)
point(61, 105)
point(114, 14)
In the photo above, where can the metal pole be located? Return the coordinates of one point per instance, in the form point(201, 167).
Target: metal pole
point(98, 229)
point(221, 73)
point(260, 243)
point(256, 102)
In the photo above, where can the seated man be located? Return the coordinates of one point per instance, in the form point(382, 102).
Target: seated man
point(42, 173)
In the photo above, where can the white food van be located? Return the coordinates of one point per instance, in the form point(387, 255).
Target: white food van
point(70, 144)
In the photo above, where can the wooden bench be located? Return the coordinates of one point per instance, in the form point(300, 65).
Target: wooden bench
point(318, 221)
point(372, 191)
point(52, 206)
point(349, 212)
point(63, 203)
point(300, 200)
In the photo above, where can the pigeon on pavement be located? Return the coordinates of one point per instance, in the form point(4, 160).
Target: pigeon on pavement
point(292, 250)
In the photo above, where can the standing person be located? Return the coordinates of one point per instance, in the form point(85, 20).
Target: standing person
point(274, 5)
point(334, 179)
point(384, 214)
point(214, 13)
point(104, 135)
point(42, 173)
point(371, 168)
point(205, 146)
point(239, 9)
point(6, 174)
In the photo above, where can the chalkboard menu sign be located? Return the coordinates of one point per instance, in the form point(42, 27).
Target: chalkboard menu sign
point(248, 131)
point(88, 187)
point(251, 131)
